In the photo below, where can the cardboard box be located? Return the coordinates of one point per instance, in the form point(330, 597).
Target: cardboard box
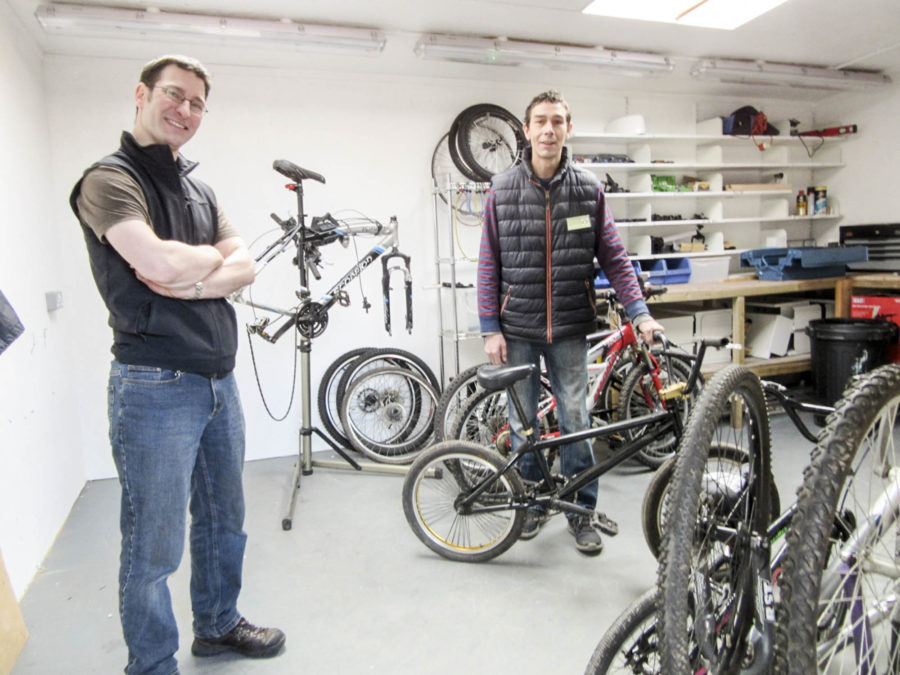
point(714, 323)
point(873, 306)
point(679, 325)
point(768, 334)
point(801, 312)
point(13, 633)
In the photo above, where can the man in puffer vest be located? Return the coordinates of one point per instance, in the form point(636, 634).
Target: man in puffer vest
point(545, 223)
point(164, 259)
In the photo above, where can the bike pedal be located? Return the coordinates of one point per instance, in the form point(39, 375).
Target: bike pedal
point(604, 524)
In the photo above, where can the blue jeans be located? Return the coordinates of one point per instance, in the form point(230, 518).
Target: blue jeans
point(566, 363)
point(178, 443)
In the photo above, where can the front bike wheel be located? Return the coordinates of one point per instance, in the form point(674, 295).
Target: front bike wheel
point(640, 397)
point(726, 463)
point(839, 586)
point(712, 562)
point(433, 491)
point(631, 643)
point(388, 414)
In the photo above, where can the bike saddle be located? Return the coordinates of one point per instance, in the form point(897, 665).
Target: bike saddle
point(294, 172)
point(493, 378)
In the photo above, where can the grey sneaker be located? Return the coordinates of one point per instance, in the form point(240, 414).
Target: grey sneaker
point(534, 520)
point(587, 539)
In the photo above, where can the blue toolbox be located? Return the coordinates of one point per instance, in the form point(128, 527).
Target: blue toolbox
point(805, 262)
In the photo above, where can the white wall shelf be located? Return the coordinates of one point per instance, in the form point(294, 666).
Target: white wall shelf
point(682, 167)
point(748, 217)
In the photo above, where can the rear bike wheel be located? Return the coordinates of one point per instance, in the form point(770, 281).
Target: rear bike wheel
point(484, 418)
point(434, 486)
point(631, 643)
point(714, 560)
point(452, 399)
point(383, 358)
point(329, 408)
point(726, 463)
point(640, 397)
point(839, 585)
point(388, 414)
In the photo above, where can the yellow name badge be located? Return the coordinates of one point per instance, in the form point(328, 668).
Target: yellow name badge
point(578, 223)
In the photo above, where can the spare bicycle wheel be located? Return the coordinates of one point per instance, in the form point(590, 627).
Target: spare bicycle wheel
point(447, 177)
point(486, 139)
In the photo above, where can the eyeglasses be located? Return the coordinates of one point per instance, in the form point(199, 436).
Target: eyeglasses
point(198, 106)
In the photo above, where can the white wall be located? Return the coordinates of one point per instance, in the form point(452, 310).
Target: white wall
point(371, 136)
point(42, 466)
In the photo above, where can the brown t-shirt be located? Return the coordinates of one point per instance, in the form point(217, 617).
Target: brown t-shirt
point(109, 195)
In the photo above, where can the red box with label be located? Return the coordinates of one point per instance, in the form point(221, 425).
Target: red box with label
point(872, 306)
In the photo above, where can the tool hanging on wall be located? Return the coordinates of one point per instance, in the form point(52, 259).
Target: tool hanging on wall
point(387, 269)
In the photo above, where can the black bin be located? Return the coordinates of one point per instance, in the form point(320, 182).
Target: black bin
point(841, 348)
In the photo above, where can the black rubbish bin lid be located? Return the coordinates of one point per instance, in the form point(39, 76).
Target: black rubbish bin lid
point(856, 330)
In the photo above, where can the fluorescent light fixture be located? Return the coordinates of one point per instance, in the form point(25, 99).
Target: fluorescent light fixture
point(722, 14)
point(503, 52)
point(781, 74)
point(131, 24)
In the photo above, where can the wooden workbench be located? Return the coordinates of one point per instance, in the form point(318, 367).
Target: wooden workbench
point(738, 290)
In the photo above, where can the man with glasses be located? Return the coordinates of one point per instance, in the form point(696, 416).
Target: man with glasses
point(164, 259)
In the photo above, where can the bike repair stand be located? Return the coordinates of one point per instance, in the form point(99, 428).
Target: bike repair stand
point(306, 324)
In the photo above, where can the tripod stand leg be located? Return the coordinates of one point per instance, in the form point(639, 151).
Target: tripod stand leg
point(288, 521)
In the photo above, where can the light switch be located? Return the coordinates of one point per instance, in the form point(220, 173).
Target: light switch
point(54, 300)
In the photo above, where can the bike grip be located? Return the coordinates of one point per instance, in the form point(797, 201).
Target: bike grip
point(660, 337)
point(717, 343)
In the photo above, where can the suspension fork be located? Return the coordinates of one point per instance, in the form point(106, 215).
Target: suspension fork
point(402, 267)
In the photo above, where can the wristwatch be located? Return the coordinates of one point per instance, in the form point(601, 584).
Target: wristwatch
point(198, 290)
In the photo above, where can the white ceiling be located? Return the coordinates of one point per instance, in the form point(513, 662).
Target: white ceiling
point(864, 34)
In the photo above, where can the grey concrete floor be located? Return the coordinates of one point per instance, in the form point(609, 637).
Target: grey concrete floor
point(354, 589)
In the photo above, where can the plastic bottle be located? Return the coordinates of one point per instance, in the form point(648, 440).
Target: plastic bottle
point(801, 203)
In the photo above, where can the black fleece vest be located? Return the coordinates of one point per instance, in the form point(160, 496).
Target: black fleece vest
point(546, 252)
point(194, 336)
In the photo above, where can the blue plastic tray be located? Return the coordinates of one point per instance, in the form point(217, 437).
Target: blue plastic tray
point(808, 262)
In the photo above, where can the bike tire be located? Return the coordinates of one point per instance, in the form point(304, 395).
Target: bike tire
point(381, 358)
point(384, 357)
point(484, 419)
point(329, 407)
point(489, 140)
point(638, 387)
point(452, 398)
point(455, 154)
point(387, 414)
point(708, 578)
point(826, 612)
point(438, 477)
point(630, 644)
point(656, 498)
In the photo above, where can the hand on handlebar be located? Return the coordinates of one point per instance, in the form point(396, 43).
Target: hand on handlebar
point(651, 332)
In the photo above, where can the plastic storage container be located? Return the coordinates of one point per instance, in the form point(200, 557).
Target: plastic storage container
point(678, 270)
point(709, 269)
point(841, 348)
point(809, 262)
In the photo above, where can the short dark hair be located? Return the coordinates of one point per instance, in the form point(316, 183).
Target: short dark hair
point(151, 72)
point(549, 96)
